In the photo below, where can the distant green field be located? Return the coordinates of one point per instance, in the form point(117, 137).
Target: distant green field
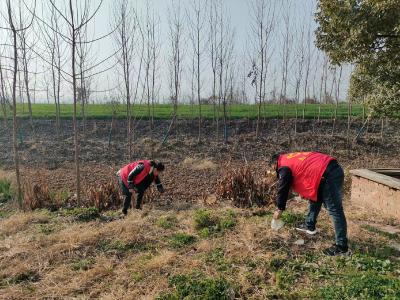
point(164, 111)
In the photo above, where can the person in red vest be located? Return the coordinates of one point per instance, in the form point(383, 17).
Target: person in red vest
point(319, 178)
point(138, 176)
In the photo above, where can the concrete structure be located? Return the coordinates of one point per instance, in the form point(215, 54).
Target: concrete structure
point(377, 190)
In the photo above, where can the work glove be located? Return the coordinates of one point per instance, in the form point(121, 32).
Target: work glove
point(160, 188)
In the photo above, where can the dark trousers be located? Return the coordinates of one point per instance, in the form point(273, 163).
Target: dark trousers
point(128, 195)
point(330, 194)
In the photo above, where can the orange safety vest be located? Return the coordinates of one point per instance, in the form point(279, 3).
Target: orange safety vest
point(124, 172)
point(307, 169)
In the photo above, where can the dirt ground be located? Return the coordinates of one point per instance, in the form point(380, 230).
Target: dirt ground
point(192, 167)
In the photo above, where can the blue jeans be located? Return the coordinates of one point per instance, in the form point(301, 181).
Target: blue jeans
point(330, 193)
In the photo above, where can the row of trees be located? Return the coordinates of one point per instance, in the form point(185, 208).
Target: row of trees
point(55, 41)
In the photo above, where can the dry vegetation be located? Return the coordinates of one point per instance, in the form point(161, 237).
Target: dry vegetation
point(48, 255)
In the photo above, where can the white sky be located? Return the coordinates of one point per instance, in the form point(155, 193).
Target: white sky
point(300, 14)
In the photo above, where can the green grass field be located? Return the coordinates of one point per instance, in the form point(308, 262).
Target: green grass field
point(164, 111)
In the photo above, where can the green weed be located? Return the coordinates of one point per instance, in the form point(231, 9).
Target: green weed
point(292, 218)
point(82, 214)
point(6, 191)
point(167, 222)
point(82, 264)
point(181, 239)
point(217, 259)
point(197, 286)
point(207, 222)
point(367, 285)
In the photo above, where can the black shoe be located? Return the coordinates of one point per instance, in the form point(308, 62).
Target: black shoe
point(303, 228)
point(124, 211)
point(336, 250)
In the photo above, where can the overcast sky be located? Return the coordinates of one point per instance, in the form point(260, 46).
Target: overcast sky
point(300, 12)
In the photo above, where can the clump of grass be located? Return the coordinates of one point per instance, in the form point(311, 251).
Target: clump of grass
point(120, 247)
point(82, 264)
point(204, 219)
point(217, 259)
point(181, 239)
point(82, 214)
point(363, 286)
point(46, 228)
point(167, 222)
point(197, 286)
point(292, 218)
point(28, 276)
point(6, 191)
point(207, 222)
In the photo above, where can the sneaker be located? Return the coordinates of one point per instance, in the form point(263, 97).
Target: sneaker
point(303, 228)
point(336, 250)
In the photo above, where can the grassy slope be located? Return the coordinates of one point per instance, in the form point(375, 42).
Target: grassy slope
point(163, 111)
point(173, 254)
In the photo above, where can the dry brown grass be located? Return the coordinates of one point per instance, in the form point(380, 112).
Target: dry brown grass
point(70, 263)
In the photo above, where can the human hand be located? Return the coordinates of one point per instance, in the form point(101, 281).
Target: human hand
point(277, 214)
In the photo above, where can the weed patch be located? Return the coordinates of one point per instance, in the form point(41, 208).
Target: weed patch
point(82, 214)
point(197, 286)
point(217, 259)
point(367, 285)
point(207, 222)
point(181, 239)
point(28, 276)
point(167, 222)
point(292, 218)
point(82, 264)
point(120, 247)
point(6, 191)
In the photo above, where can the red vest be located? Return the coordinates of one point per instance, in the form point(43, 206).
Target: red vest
point(124, 172)
point(307, 170)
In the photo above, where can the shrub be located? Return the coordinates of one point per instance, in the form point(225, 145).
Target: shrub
point(244, 189)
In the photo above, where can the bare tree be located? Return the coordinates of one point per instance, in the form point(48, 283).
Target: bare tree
point(300, 57)
point(25, 57)
point(308, 58)
point(76, 18)
point(125, 36)
point(175, 58)
point(225, 66)
point(11, 22)
point(213, 48)
point(263, 20)
point(196, 18)
point(287, 39)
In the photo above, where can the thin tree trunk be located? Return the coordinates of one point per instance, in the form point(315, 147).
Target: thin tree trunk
point(15, 123)
point(76, 138)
